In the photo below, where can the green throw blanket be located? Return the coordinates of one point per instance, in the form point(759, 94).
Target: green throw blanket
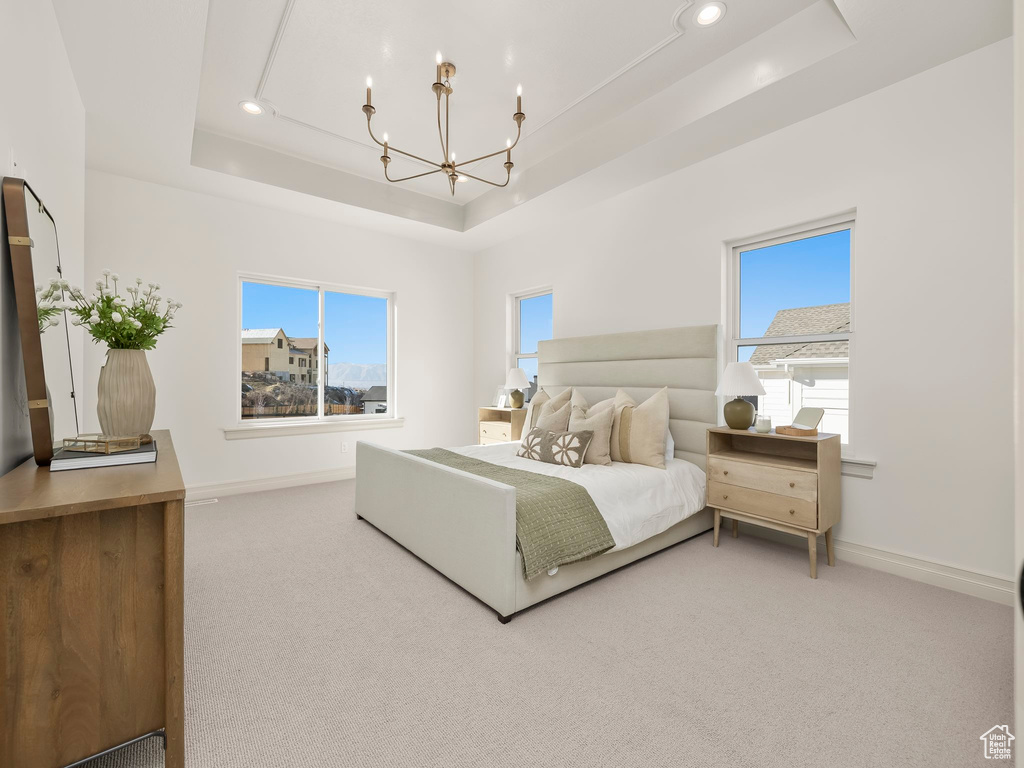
point(557, 522)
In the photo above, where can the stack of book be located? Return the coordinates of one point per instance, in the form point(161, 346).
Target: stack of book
point(68, 458)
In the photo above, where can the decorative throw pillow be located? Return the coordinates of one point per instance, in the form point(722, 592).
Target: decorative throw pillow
point(564, 448)
point(619, 402)
point(641, 436)
point(554, 421)
point(533, 410)
point(536, 407)
point(600, 423)
point(554, 404)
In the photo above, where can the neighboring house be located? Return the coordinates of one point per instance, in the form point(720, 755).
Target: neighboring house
point(307, 358)
point(265, 349)
point(799, 375)
point(289, 359)
point(375, 400)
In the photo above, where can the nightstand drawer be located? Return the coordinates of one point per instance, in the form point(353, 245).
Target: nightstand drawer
point(490, 441)
point(770, 505)
point(785, 482)
point(499, 431)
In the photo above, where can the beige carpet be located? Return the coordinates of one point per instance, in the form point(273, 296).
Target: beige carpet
point(313, 640)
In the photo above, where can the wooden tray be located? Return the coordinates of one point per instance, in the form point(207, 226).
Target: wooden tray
point(794, 432)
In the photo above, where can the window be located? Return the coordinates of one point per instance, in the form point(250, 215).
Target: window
point(301, 318)
point(532, 323)
point(790, 316)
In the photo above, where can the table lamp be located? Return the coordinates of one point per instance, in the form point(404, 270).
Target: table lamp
point(516, 383)
point(738, 380)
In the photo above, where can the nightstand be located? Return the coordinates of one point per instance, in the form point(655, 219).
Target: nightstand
point(790, 484)
point(500, 425)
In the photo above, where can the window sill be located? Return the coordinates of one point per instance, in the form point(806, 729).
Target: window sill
point(852, 467)
point(277, 429)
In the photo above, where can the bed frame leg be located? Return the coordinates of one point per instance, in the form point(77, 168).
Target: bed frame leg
point(505, 619)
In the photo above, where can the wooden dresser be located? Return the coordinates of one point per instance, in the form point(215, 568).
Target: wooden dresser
point(500, 425)
point(776, 481)
point(91, 584)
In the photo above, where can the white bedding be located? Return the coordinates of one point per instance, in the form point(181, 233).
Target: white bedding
point(636, 501)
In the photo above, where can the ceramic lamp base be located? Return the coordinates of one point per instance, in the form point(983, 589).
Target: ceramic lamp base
point(516, 398)
point(739, 414)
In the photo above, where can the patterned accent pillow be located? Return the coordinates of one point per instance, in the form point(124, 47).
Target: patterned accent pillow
point(564, 448)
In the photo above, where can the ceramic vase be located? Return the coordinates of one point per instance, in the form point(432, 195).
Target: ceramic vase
point(126, 394)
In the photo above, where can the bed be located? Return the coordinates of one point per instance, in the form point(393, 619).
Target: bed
point(464, 525)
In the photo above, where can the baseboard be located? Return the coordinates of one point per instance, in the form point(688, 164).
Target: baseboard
point(982, 585)
point(214, 490)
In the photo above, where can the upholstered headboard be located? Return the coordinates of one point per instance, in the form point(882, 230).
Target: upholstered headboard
point(683, 359)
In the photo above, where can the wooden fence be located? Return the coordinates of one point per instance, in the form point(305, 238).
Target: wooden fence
point(270, 411)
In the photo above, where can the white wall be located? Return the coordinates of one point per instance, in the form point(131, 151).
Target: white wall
point(1018, 75)
point(927, 165)
point(194, 245)
point(43, 121)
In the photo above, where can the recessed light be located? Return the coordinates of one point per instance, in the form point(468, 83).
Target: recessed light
point(709, 13)
point(251, 107)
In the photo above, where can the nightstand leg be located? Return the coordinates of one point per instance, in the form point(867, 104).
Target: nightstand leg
point(812, 551)
point(830, 547)
point(718, 524)
point(735, 529)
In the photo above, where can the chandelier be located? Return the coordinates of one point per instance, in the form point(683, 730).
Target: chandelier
point(442, 87)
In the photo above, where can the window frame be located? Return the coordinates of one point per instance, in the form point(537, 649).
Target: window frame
point(322, 287)
point(733, 249)
point(514, 353)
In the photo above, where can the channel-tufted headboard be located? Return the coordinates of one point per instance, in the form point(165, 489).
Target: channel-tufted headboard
point(683, 359)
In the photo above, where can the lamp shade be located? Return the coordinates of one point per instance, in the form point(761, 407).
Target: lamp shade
point(739, 380)
point(517, 379)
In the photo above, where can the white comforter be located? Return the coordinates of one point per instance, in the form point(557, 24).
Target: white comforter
point(636, 501)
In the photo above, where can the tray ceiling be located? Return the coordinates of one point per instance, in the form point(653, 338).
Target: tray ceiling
point(580, 64)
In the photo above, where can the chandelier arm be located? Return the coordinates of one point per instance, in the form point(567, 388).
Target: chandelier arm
point(406, 178)
point(447, 121)
point(440, 135)
point(431, 163)
point(485, 181)
point(495, 154)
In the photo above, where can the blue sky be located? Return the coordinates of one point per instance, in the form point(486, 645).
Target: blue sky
point(534, 325)
point(355, 326)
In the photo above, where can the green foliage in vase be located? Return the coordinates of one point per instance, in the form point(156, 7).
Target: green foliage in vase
point(123, 323)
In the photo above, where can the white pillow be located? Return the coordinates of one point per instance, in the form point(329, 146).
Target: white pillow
point(670, 444)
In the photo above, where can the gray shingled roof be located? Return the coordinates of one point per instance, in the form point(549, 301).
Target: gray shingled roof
point(826, 318)
point(376, 394)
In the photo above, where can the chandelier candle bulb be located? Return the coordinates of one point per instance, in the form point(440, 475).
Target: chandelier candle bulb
point(438, 59)
point(369, 85)
point(519, 98)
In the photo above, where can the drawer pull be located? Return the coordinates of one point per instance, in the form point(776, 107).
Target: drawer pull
point(792, 485)
point(726, 472)
point(725, 496)
point(792, 511)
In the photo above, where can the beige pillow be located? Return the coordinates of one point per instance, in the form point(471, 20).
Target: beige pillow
point(554, 422)
point(533, 410)
point(598, 422)
point(620, 401)
point(641, 435)
point(555, 403)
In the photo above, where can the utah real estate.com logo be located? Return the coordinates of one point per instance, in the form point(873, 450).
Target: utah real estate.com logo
point(998, 743)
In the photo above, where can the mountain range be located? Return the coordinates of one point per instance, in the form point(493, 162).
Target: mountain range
point(357, 375)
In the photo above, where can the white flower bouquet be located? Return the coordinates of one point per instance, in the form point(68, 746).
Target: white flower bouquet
point(131, 322)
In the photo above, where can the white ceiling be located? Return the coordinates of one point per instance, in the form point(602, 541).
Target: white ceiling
point(607, 108)
point(580, 63)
